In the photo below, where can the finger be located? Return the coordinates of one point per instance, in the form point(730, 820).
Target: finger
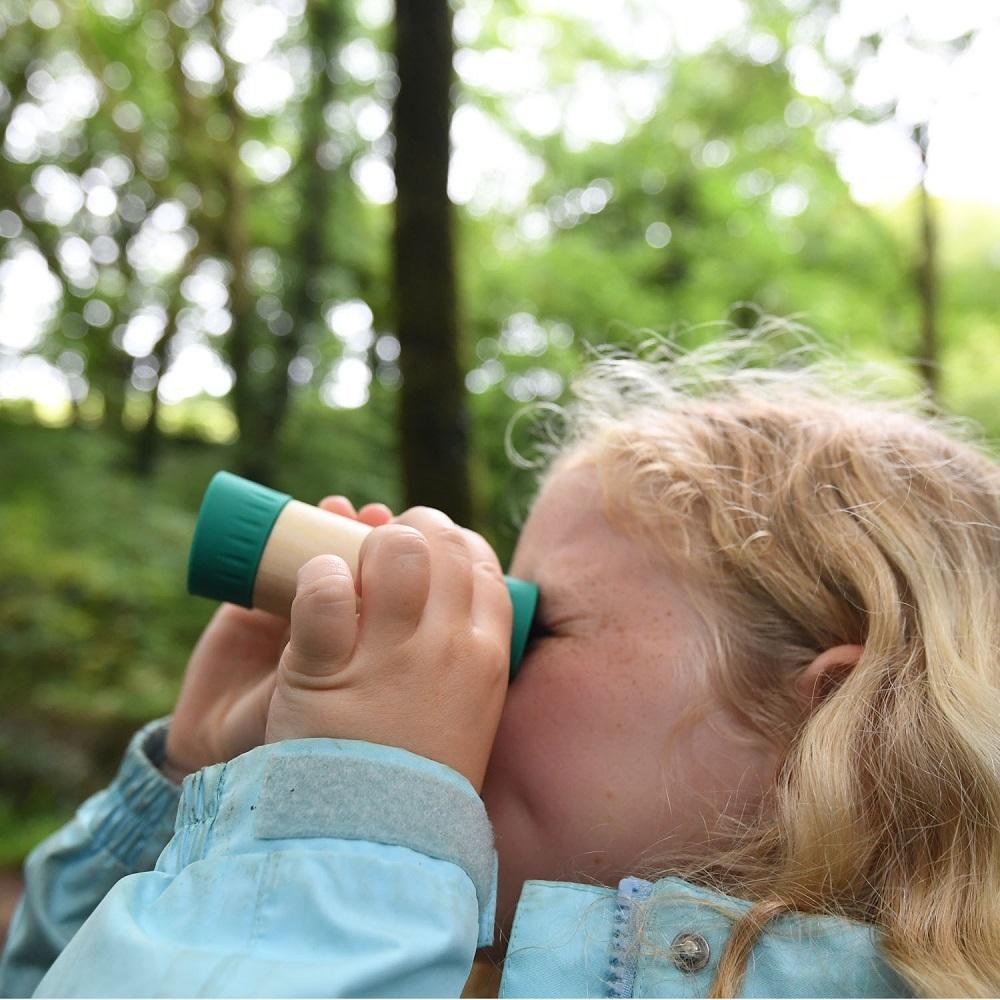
point(251, 620)
point(324, 626)
point(338, 504)
point(246, 717)
point(375, 514)
point(395, 571)
point(251, 638)
point(451, 563)
point(492, 610)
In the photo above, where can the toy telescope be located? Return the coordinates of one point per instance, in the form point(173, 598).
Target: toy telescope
point(250, 542)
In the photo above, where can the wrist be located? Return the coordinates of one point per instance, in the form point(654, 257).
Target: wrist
point(169, 769)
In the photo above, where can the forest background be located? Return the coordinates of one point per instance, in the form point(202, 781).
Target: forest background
point(337, 247)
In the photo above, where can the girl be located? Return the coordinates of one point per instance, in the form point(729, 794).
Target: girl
point(763, 677)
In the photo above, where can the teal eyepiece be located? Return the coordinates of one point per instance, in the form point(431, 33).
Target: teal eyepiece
point(524, 596)
point(234, 525)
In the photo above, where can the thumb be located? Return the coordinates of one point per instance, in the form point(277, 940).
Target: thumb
point(324, 620)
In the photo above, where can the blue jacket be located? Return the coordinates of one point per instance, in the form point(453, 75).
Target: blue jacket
point(324, 867)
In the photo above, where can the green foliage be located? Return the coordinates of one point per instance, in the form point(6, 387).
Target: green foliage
point(95, 626)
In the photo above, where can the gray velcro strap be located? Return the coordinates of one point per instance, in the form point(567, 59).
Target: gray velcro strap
point(369, 800)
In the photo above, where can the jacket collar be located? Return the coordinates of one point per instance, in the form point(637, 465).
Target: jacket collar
point(570, 939)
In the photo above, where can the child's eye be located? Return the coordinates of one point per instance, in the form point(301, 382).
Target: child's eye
point(538, 631)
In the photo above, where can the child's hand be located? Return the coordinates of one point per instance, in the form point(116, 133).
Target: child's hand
point(222, 708)
point(423, 666)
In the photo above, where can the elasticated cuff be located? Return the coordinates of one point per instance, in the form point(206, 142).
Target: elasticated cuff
point(344, 789)
point(133, 818)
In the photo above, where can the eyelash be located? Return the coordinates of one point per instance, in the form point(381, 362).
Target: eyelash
point(538, 630)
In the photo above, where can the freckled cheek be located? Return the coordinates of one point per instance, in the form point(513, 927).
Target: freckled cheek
point(561, 735)
point(602, 740)
point(564, 686)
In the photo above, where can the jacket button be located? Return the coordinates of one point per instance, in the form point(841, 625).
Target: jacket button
point(689, 952)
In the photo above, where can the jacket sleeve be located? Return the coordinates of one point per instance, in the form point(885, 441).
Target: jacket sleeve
point(116, 832)
point(313, 867)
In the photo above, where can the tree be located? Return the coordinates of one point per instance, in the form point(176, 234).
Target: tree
point(262, 409)
point(433, 420)
point(927, 274)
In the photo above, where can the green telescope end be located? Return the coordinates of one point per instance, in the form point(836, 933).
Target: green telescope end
point(233, 527)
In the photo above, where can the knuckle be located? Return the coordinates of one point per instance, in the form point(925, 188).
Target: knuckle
point(494, 656)
point(473, 537)
point(420, 510)
point(494, 648)
point(454, 541)
point(480, 546)
point(490, 567)
point(405, 540)
point(461, 647)
point(429, 516)
point(482, 650)
point(333, 591)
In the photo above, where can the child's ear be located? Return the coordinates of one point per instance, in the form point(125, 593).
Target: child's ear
point(825, 674)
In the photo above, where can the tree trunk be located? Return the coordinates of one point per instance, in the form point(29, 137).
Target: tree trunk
point(315, 193)
point(115, 374)
point(148, 441)
point(252, 461)
point(928, 362)
point(432, 415)
point(234, 240)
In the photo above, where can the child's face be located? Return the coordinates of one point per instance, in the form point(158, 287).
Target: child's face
point(579, 783)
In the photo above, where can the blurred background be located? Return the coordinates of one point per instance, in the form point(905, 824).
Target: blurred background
point(335, 246)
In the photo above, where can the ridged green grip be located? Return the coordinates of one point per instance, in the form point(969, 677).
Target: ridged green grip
point(233, 527)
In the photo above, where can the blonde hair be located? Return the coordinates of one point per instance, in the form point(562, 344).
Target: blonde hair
point(813, 514)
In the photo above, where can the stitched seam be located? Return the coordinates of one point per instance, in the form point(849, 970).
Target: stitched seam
point(219, 795)
point(624, 959)
point(121, 837)
point(260, 899)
